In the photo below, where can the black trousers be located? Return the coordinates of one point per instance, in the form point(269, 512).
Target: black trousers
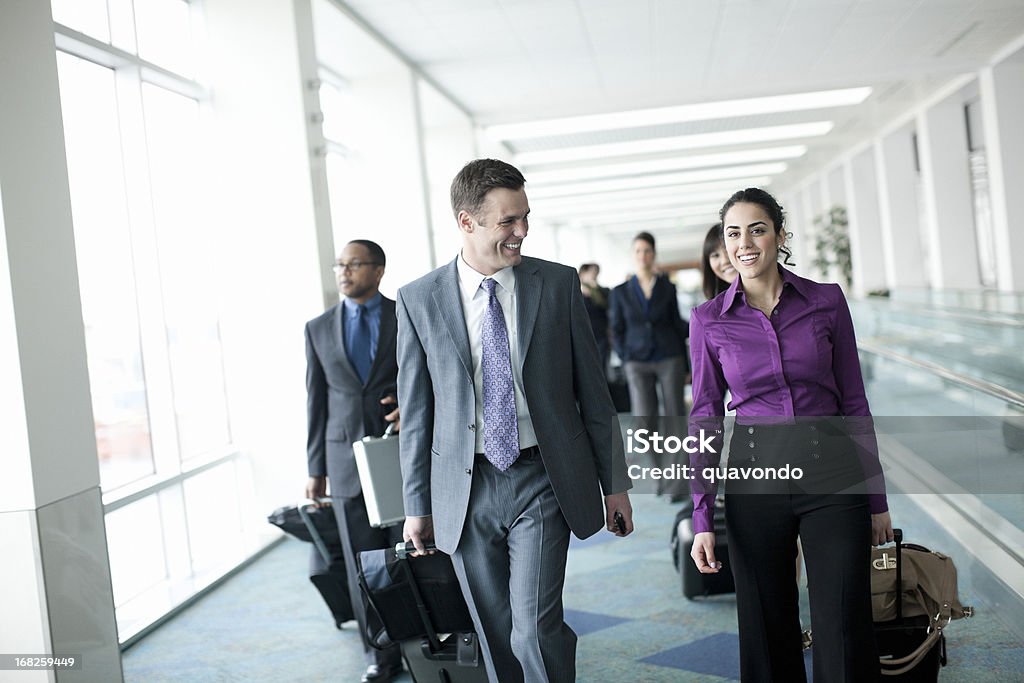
point(763, 521)
point(356, 536)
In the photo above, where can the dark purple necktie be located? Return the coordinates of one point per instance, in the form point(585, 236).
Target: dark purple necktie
point(501, 424)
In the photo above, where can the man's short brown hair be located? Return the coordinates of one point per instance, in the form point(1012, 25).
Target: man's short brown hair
point(477, 178)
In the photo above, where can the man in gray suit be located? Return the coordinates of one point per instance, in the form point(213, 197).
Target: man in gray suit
point(350, 376)
point(508, 432)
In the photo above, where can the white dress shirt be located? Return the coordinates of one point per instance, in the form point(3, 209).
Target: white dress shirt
point(474, 306)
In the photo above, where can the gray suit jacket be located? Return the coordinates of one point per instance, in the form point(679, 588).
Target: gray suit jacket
point(565, 388)
point(339, 408)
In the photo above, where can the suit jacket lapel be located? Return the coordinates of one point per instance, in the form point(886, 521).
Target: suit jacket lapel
point(448, 300)
point(529, 285)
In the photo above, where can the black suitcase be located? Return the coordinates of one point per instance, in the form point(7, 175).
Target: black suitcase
point(413, 601)
point(693, 582)
point(901, 636)
point(329, 577)
point(319, 526)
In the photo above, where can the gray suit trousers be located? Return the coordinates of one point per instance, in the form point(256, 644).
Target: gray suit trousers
point(511, 566)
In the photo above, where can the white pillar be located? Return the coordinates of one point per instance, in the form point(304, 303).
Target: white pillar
point(949, 217)
point(1002, 99)
point(836, 184)
point(866, 246)
point(897, 199)
point(55, 578)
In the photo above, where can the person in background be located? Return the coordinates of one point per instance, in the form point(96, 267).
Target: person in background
point(496, 480)
point(650, 337)
point(717, 272)
point(595, 298)
point(351, 382)
point(784, 347)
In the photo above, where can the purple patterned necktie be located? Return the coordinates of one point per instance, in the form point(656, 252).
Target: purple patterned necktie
point(501, 423)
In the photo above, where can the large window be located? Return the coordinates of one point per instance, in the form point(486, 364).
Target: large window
point(374, 163)
point(148, 278)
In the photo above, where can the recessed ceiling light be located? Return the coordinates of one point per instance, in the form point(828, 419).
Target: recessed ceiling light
point(632, 168)
point(688, 112)
point(673, 144)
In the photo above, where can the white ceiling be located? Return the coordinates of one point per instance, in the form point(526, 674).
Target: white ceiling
point(510, 61)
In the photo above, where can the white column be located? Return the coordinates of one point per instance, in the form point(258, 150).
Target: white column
point(897, 199)
point(949, 218)
point(866, 245)
point(1002, 100)
point(55, 586)
point(836, 184)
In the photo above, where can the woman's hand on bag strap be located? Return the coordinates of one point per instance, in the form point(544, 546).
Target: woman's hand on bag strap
point(881, 529)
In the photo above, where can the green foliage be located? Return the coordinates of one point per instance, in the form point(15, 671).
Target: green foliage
point(832, 243)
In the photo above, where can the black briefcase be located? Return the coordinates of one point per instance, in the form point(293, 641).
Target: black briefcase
point(411, 597)
point(417, 602)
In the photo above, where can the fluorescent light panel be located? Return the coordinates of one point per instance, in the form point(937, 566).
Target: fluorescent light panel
point(606, 217)
point(597, 202)
point(654, 182)
point(746, 156)
point(674, 144)
point(822, 99)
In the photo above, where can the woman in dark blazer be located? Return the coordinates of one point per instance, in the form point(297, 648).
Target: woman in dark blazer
point(650, 336)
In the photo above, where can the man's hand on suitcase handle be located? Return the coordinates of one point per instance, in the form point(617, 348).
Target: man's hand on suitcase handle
point(316, 488)
point(703, 553)
point(420, 531)
point(393, 417)
point(881, 529)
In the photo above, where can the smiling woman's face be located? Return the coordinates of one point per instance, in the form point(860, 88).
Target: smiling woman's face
point(750, 240)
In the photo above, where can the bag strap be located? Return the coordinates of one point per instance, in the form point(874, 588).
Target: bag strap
point(898, 667)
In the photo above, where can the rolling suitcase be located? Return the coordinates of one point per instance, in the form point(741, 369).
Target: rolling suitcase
point(327, 565)
point(319, 526)
point(911, 647)
point(417, 602)
point(693, 582)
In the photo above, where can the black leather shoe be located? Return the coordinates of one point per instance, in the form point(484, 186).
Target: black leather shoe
point(381, 673)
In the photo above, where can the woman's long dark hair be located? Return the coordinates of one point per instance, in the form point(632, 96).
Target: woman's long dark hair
point(755, 195)
point(713, 285)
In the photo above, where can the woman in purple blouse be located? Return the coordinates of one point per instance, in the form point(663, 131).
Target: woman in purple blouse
point(784, 348)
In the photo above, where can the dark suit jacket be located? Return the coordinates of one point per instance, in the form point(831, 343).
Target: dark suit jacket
point(340, 409)
point(636, 333)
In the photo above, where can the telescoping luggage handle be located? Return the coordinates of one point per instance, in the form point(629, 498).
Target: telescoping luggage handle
point(403, 551)
point(314, 533)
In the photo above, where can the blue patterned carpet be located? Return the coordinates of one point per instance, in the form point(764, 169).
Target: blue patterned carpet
point(622, 597)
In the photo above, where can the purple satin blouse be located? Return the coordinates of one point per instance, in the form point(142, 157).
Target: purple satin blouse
point(799, 362)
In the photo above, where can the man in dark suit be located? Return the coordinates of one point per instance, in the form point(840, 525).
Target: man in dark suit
point(508, 436)
point(351, 375)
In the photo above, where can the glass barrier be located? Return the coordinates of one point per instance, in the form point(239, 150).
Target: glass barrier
point(979, 346)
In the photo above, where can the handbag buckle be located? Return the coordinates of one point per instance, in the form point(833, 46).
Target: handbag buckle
point(884, 562)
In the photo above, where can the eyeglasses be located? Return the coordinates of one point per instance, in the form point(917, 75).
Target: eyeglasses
point(352, 265)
